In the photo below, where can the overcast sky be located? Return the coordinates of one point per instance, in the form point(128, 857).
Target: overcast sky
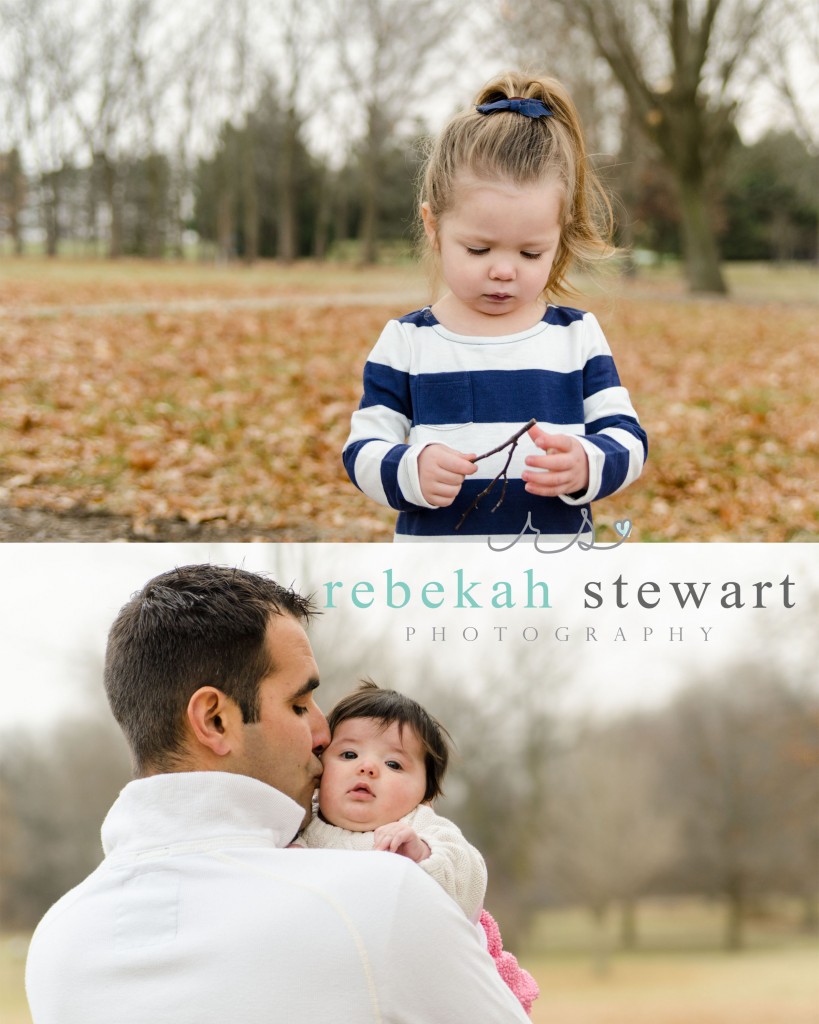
point(57, 602)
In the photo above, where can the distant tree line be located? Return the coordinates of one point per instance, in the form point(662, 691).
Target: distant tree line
point(714, 796)
point(271, 130)
point(235, 207)
point(764, 207)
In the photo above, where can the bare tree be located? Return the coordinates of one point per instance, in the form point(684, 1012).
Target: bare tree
point(153, 76)
point(385, 50)
point(681, 66)
point(611, 837)
point(300, 37)
point(799, 850)
point(791, 59)
point(551, 41)
point(246, 137)
point(13, 190)
point(101, 85)
point(194, 62)
point(15, 75)
point(736, 770)
point(55, 790)
point(791, 62)
point(40, 89)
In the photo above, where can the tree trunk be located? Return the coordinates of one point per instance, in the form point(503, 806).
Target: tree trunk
point(340, 213)
point(224, 226)
point(286, 240)
point(322, 225)
point(176, 220)
point(154, 244)
point(371, 181)
point(628, 194)
point(735, 917)
point(810, 913)
point(702, 264)
point(628, 924)
point(52, 212)
point(369, 219)
point(17, 199)
point(250, 196)
point(601, 955)
point(113, 196)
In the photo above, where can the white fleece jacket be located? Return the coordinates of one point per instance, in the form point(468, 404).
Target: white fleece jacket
point(199, 915)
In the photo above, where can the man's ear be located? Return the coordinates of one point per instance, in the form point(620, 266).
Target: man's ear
point(430, 225)
point(213, 720)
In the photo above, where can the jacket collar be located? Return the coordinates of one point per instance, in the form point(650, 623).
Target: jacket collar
point(192, 808)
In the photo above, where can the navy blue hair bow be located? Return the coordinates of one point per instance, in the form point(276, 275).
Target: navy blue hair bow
point(518, 105)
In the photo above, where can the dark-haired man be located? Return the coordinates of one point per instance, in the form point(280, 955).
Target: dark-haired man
point(199, 912)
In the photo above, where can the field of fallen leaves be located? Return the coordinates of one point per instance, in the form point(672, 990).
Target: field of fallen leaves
point(215, 395)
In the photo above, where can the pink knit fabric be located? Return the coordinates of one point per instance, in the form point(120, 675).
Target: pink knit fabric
point(521, 982)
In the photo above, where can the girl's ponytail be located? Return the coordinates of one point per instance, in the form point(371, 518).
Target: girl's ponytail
point(526, 143)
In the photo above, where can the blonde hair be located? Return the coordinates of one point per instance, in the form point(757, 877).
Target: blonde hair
point(511, 147)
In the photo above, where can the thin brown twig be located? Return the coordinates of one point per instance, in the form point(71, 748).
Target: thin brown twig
point(513, 441)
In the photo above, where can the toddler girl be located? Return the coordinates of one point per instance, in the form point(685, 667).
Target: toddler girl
point(383, 767)
point(508, 203)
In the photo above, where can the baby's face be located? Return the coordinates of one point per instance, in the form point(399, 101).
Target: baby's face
point(372, 775)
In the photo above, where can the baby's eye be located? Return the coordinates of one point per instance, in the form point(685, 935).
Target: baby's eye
point(394, 765)
point(475, 251)
point(531, 255)
point(348, 755)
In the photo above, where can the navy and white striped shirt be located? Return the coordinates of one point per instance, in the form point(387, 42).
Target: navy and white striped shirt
point(424, 384)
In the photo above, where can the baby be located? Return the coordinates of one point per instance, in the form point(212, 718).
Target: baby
point(382, 769)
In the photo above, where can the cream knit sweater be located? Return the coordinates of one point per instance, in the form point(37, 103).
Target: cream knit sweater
point(453, 863)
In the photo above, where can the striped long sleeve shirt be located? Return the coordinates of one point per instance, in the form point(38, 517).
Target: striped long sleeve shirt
point(424, 384)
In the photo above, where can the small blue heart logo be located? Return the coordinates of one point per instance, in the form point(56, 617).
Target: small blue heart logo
point(623, 527)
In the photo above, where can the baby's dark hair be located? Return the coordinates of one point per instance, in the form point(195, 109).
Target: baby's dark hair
point(388, 706)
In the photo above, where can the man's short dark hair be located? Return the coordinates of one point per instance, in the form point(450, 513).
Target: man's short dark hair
point(388, 706)
point(198, 625)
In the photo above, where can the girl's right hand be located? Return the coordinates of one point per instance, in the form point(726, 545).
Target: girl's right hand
point(441, 472)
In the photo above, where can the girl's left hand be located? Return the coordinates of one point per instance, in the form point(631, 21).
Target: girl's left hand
point(565, 459)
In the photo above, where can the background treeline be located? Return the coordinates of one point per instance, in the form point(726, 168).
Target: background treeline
point(712, 796)
point(263, 129)
point(765, 208)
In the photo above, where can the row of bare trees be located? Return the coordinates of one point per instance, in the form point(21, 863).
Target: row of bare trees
point(104, 84)
point(109, 83)
point(714, 796)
